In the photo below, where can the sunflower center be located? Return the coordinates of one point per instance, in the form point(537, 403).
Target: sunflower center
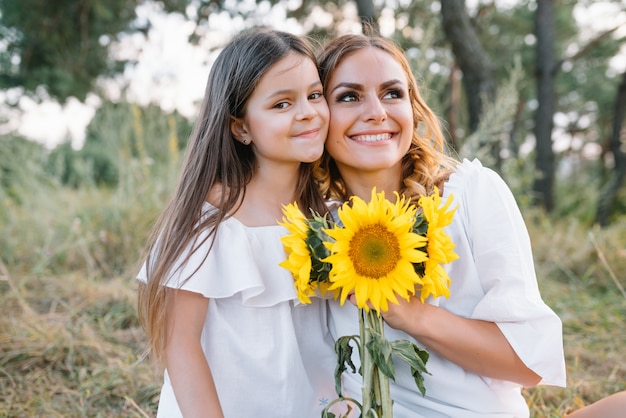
point(374, 251)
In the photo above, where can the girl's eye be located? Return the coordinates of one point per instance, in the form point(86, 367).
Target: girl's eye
point(281, 105)
point(315, 96)
point(348, 97)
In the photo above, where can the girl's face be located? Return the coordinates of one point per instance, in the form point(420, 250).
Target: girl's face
point(286, 117)
point(371, 123)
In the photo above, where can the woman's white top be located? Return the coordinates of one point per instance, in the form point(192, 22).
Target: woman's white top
point(269, 355)
point(493, 280)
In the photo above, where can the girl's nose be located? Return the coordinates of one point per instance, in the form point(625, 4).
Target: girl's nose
point(305, 110)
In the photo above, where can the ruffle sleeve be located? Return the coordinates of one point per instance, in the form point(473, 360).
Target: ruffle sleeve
point(500, 255)
point(243, 262)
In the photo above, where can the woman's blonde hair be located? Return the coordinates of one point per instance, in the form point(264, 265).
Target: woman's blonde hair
point(426, 163)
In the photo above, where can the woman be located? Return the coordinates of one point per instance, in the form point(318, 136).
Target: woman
point(494, 334)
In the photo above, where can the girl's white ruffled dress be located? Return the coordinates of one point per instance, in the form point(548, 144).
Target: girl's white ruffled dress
point(270, 356)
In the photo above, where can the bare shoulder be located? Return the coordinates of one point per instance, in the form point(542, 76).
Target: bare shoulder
point(216, 195)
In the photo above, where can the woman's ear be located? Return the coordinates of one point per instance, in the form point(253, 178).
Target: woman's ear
point(239, 130)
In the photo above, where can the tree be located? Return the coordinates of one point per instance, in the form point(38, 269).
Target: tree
point(368, 16)
point(609, 194)
point(474, 62)
point(546, 68)
point(63, 45)
point(58, 44)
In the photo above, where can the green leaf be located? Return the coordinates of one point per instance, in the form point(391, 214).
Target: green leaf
point(421, 225)
point(344, 357)
point(315, 242)
point(380, 349)
point(415, 357)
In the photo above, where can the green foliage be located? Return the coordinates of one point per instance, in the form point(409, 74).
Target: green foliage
point(497, 117)
point(148, 133)
point(59, 45)
point(145, 137)
point(96, 226)
point(21, 168)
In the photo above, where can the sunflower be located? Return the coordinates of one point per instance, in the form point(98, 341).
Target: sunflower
point(298, 260)
point(440, 247)
point(374, 251)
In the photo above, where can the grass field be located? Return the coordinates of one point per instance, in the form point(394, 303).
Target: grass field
point(71, 346)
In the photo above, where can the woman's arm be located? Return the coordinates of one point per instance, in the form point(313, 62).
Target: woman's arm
point(613, 406)
point(475, 345)
point(185, 361)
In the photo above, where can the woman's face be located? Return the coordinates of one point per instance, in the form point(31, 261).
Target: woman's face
point(371, 119)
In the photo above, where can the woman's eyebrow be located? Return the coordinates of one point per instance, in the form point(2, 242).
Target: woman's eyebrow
point(359, 87)
point(346, 84)
point(390, 83)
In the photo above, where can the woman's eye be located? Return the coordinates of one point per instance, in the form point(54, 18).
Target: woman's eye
point(348, 97)
point(394, 94)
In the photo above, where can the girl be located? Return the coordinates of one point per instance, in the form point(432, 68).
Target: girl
point(217, 308)
point(494, 334)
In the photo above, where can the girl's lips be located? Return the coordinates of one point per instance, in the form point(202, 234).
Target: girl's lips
point(308, 134)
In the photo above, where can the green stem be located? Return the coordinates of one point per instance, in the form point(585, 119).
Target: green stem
point(367, 365)
point(383, 380)
point(376, 389)
point(326, 411)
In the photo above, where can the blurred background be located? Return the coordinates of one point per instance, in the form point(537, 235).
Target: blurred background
point(97, 100)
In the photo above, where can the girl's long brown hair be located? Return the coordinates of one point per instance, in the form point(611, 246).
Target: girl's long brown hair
point(426, 163)
point(215, 161)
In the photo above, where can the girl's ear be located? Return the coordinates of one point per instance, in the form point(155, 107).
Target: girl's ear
point(239, 130)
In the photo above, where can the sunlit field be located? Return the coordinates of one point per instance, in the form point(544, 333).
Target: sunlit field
point(71, 345)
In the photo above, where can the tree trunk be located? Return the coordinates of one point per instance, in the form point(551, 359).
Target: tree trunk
point(368, 17)
point(452, 118)
point(545, 74)
point(478, 78)
point(610, 192)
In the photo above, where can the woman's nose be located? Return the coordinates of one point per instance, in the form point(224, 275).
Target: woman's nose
point(374, 110)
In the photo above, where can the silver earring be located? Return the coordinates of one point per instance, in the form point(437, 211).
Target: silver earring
point(245, 141)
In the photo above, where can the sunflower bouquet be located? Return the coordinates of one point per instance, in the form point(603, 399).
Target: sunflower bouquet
point(378, 251)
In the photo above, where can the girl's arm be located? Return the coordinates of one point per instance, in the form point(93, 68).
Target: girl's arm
point(475, 345)
point(185, 361)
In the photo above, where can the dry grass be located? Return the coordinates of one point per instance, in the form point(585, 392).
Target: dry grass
point(70, 344)
point(582, 273)
point(71, 347)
